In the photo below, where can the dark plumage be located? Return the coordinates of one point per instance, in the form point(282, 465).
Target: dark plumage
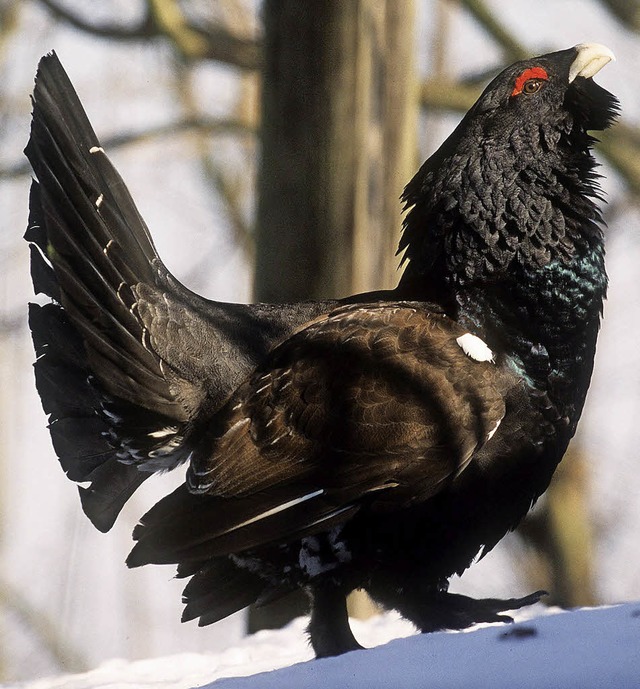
point(380, 441)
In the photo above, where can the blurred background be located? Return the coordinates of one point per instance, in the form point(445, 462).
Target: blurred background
point(266, 144)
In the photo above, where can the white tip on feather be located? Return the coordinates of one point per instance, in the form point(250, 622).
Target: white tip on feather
point(280, 508)
point(96, 149)
point(164, 432)
point(474, 347)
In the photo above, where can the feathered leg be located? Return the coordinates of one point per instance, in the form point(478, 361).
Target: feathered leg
point(329, 630)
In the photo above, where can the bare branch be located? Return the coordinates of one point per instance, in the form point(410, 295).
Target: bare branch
point(212, 127)
point(145, 29)
point(9, 23)
point(514, 50)
point(217, 174)
point(225, 47)
point(164, 18)
point(197, 43)
point(443, 94)
point(11, 324)
point(171, 21)
point(229, 191)
point(621, 147)
point(204, 125)
point(42, 627)
point(625, 11)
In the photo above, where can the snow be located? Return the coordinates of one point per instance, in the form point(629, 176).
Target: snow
point(590, 648)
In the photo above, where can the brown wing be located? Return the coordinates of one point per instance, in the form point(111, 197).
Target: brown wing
point(366, 398)
point(377, 403)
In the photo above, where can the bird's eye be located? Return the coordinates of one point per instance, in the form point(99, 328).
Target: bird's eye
point(532, 86)
point(530, 81)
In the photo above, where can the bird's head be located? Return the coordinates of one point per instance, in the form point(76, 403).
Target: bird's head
point(554, 91)
point(515, 180)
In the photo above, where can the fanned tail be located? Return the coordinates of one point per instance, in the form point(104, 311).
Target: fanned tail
point(128, 358)
point(110, 405)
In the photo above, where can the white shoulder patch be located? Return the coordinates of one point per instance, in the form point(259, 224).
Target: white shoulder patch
point(474, 347)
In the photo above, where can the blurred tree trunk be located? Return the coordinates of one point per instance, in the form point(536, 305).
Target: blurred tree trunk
point(561, 536)
point(339, 109)
point(338, 127)
point(571, 550)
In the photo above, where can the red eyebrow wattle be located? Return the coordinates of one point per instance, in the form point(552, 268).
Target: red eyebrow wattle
point(531, 73)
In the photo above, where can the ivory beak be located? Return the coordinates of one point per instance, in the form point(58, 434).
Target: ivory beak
point(591, 58)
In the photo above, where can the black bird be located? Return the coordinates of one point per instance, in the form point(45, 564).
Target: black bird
point(380, 441)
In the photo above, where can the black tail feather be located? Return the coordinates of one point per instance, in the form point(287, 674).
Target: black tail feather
point(64, 146)
point(127, 357)
point(79, 433)
point(184, 527)
point(112, 484)
point(218, 589)
point(86, 226)
point(108, 401)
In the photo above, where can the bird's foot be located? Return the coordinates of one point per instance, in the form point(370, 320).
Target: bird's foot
point(454, 611)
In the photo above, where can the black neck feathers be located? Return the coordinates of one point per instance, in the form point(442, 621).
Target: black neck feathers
point(503, 229)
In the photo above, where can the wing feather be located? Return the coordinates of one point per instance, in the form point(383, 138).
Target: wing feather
point(374, 404)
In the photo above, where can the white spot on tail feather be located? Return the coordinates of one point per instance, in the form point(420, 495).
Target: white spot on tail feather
point(96, 149)
point(145, 339)
point(119, 291)
point(474, 347)
point(167, 448)
point(262, 388)
point(114, 418)
point(238, 424)
point(99, 201)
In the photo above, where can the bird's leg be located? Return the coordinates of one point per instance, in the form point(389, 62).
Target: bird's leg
point(329, 630)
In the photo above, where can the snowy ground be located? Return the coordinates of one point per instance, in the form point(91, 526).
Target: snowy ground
point(585, 649)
